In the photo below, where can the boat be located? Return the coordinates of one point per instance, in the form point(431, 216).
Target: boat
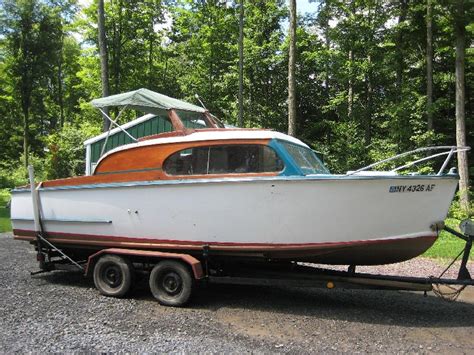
point(238, 194)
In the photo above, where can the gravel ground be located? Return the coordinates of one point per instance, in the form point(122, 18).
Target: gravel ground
point(62, 311)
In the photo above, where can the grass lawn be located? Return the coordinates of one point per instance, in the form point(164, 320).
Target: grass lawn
point(5, 224)
point(447, 246)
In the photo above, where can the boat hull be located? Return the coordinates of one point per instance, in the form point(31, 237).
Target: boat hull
point(333, 220)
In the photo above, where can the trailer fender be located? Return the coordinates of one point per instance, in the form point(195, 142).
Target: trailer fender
point(194, 263)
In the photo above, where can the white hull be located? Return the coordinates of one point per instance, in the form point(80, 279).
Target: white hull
point(247, 214)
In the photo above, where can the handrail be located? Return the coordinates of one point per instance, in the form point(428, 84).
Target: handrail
point(452, 150)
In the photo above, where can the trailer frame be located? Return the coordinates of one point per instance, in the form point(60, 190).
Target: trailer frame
point(271, 273)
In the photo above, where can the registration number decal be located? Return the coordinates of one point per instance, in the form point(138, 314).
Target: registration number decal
point(412, 188)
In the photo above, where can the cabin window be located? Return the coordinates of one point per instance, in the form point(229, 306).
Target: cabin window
point(223, 159)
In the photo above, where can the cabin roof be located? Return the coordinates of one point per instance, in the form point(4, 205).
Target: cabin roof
point(214, 135)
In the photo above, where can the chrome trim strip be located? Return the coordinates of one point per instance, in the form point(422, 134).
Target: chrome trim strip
point(282, 179)
point(63, 220)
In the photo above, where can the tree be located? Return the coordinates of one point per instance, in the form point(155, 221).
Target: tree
point(362, 70)
point(241, 63)
point(429, 63)
point(104, 58)
point(291, 70)
point(460, 102)
point(33, 32)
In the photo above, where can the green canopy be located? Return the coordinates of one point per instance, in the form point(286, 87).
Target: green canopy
point(145, 100)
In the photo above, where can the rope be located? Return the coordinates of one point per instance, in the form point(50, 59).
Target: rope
point(452, 295)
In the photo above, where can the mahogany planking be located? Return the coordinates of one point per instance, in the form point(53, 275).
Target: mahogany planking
point(125, 165)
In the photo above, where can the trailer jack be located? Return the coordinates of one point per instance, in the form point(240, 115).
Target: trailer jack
point(464, 277)
point(467, 229)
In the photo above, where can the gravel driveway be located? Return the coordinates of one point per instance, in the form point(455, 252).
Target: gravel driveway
point(62, 311)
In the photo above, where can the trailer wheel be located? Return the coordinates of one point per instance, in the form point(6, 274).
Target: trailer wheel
point(113, 275)
point(171, 283)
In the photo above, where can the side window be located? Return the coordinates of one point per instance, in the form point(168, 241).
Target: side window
point(223, 159)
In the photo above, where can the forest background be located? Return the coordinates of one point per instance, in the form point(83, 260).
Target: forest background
point(373, 78)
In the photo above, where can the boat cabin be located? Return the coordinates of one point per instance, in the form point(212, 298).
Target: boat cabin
point(160, 117)
point(196, 146)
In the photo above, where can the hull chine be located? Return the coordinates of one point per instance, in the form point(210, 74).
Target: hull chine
point(366, 252)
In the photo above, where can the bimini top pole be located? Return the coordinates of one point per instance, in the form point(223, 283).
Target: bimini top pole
point(110, 128)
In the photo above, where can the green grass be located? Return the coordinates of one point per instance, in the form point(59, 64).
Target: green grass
point(447, 246)
point(5, 225)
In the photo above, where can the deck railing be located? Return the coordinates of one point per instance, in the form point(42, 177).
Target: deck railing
point(448, 150)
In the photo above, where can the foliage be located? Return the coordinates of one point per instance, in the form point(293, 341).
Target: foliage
point(66, 153)
point(17, 175)
point(360, 74)
point(5, 224)
point(183, 47)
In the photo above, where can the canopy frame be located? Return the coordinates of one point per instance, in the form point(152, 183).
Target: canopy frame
point(110, 128)
point(149, 102)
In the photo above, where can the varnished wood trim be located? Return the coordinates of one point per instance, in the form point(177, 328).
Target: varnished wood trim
point(145, 164)
point(106, 178)
point(153, 156)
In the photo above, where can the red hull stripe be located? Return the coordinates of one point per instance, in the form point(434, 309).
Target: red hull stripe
point(98, 239)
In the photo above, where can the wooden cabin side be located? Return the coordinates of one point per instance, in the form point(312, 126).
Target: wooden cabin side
point(145, 163)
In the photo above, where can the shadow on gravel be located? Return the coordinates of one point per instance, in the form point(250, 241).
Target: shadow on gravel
point(361, 306)
point(66, 278)
point(375, 307)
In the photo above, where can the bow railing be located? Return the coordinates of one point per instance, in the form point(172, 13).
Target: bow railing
point(448, 150)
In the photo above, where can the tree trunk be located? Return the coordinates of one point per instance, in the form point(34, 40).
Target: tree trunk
point(291, 71)
point(328, 46)
point(368, 120)
point(400, 61)
point(104, 68)
point(26, 133)
point(350, 90)
point(460, 101)
point(429, 64)
point(26, 89)
point(241, 64)
point(60, 90)
point(151, 39)
point(117, 59)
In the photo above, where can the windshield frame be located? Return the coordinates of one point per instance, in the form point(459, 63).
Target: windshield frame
point(306, 154)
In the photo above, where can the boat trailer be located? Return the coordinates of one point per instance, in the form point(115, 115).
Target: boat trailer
point(173, 275)
point(269, 274)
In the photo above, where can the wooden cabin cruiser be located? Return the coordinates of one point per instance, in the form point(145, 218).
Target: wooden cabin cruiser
point(236, 193)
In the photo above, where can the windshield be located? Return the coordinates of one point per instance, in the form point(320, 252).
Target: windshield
point(198, 120)
point(193, 119)
point(305, 158)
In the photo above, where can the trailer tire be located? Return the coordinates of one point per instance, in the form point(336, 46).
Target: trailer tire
point(171, 283)
point(113, 275)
